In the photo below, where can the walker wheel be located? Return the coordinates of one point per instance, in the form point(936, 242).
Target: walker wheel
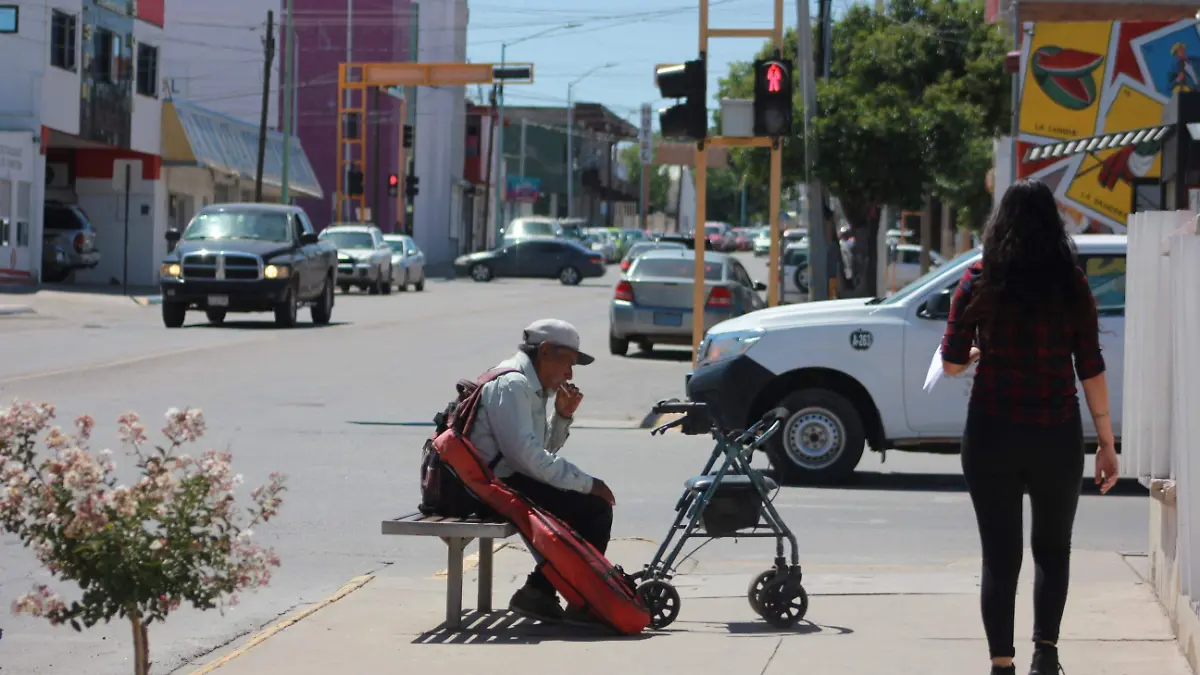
point(754, 593)
point(783, 604)
point(662, 600)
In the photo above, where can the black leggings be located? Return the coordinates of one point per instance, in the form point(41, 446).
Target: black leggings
point(1000, 463)
point(587, 514)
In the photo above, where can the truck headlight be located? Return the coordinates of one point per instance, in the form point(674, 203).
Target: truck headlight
point(726, 346)
point(276, 271)
point(170, 271)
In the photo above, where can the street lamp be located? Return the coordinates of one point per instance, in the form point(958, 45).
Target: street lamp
point(571, 135)
point(499, 141)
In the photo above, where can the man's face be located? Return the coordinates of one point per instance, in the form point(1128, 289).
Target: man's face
point(555, 365)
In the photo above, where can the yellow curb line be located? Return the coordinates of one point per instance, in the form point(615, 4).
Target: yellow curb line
point(351, 586)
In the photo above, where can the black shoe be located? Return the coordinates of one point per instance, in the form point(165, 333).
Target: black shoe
point(1045, 660)
point(535, 604)
point(1004, 670)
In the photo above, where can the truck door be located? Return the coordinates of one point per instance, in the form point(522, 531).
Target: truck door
point(941, 413)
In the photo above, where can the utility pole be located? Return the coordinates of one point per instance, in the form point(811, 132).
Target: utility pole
point(361, 126)
point(269, 56)
point(818, 244)
point(376, 175)
point(289, 85)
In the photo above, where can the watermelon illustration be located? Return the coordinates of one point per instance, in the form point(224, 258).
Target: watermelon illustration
point(1066, 75)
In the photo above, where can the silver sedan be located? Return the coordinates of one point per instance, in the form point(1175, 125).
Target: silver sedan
point(652, 303)
point(408, 262)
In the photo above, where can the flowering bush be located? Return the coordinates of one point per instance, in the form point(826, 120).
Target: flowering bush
point(137, 552)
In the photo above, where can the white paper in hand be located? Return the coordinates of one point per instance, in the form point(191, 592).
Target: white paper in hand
point(935, 370)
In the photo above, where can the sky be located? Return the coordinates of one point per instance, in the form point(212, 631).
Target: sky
point(624, 38)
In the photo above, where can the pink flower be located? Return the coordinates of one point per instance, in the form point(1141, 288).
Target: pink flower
point(40, 602)
point(131, 430)
point(184, 425)
point(84, 424)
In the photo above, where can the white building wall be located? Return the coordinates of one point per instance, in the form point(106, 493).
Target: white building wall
point(104, 201)
point(440, 135)
point(32, 92)
point(215, 57)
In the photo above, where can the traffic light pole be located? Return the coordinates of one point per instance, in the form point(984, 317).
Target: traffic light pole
point(699, 290)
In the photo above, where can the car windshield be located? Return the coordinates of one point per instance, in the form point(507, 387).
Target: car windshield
point(397, 245)
point(949, 270)
point(712, 229)
point(675, 268)
point(348, 240)
point(258, 225)
point(531, 228)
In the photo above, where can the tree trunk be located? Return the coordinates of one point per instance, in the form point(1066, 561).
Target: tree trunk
point(141, 646)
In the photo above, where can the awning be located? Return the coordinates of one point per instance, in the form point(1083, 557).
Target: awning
point(195, 136)
point(1118, 139)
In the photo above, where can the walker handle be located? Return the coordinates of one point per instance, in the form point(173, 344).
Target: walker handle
point(675, 406)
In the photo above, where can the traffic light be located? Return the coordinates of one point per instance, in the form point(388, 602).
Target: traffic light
point(354, 183)
point(408, 136)
point(688, 81)
point(410, 186)
point(393, 185)
point(772, 97)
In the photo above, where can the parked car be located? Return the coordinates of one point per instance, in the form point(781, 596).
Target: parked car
point(907, 265)
point(644, 246)
point(717, 234)
point(408, 260)
point(573, 228)
point(687, 240)
point(248, 258)
point(795, 235)
point(603, 241)
point(526, 227)
point(68, 241)
point(852, 372)
point(652, 304)
point(762, 241)
point(631, 236)
point(364, 258)
point(743, 239)
point(795, 273)
point(559, 259)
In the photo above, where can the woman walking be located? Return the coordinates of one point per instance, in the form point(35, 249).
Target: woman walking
point(1026, 314)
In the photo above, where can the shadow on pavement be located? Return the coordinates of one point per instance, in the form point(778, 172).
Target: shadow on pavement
point(501, 628)
point(756, 628)
point(950, 482)
point(661, 354)
point(264, 325)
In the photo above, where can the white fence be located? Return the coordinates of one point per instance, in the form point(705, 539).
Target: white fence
point(1162, 401)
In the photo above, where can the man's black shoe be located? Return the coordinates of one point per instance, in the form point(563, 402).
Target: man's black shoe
point(537, 605)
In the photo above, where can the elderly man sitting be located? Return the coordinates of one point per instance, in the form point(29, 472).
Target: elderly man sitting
point(511, 422)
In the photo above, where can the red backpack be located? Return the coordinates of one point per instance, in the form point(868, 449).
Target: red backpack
point(578, 571)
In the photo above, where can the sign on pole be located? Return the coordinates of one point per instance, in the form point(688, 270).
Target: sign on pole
point(645, 137)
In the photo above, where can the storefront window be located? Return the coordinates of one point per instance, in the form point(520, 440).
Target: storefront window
point(22, 215)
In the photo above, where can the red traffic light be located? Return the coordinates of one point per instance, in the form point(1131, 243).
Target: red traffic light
point(393, 180)
point(774, 78)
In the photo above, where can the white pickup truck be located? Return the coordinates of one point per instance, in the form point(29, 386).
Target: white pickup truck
point(851, 372)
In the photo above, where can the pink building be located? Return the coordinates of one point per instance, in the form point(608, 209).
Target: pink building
point(382, 31)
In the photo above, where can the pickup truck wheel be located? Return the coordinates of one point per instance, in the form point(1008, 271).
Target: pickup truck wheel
point(821, 441)
point(173, 314)
point(480, 272)
point(215, 316)
point(322, 309)
point(420, 285)
point(285, 311)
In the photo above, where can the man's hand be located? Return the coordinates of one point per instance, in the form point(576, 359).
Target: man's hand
point(567, 401)
point(601, 490)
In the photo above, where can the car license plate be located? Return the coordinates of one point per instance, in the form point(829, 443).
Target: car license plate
point(218, 301)
point(668, 319)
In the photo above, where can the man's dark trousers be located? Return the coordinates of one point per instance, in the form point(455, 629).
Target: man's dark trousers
point(587, 514)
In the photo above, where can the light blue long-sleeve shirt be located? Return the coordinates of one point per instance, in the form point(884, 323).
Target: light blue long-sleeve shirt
point(511, 421)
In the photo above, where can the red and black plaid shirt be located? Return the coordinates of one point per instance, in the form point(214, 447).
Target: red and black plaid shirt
point(1027, 368)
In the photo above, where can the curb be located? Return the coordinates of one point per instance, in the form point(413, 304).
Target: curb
point(349, 587)
point(13, 310)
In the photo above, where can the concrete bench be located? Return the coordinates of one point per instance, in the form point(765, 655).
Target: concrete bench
point(457, 533)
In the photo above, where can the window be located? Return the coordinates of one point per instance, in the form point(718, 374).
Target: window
point(10, 19)
point(147, 70)
point(742, 276)
point(297, 227)
point(104, 56)
point(911, 257)
point(541, 248)
point(62, 40)
point(676, 268)
point(1106, 276)
point(794, 257)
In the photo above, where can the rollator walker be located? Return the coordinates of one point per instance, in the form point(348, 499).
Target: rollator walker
point(732, 501)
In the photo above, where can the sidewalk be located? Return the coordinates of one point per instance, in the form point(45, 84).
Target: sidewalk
point(864, 621)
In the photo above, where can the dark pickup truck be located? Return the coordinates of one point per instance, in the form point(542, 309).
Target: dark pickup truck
point(248, 258)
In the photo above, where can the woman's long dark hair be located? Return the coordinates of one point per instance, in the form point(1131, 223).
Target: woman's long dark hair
point(1030, 264)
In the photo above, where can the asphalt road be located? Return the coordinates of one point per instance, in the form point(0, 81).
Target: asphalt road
point(342, 410)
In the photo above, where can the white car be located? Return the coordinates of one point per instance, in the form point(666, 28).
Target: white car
point(603, 242)
point(364, 258)
point(852, 372)
point(408, 261)
point(907, 265)
point(795, 273)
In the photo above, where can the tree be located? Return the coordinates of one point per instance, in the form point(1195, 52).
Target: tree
point(660, 183)
point(914, 98)
point(137, 552)
point(724, 188)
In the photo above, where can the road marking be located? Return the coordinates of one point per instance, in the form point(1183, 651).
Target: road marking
point(128, 361)
point(351, 586)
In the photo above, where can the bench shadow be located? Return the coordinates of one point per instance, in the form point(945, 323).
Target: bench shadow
point(506, 628)
point(758, 628)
